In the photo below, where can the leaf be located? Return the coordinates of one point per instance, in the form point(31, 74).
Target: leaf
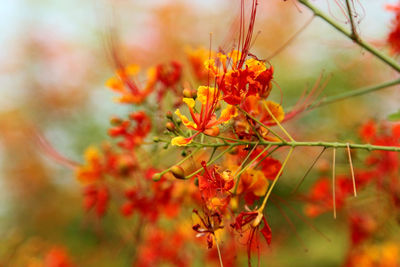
point(394, 116)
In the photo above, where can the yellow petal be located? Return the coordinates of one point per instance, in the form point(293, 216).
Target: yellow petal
point(180, 141)
point(189, 101)
point(255, 65)
point(228, 113)
point(204, 92)
point(92, 153)
point(115, 84)
point(132, 69)
point(276, 110)
point(185, 120)
point(260, 185)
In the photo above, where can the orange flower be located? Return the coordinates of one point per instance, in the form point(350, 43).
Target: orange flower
point(253, 184)
point(92, 170)
point(237, 82)
point(197, 57)
point(123, 84)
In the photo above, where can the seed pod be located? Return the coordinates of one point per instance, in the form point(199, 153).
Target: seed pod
point(170, 126)
point(178, 172)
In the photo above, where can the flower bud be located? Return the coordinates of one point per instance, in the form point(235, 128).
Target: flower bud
point(194, 94)
point(170, 126)
point(115, 120)
point(178, 172)
point(169, 115)
point(187, 93)
point(156, 177)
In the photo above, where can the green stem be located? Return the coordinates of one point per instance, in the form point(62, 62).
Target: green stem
point(180, 162)
point(368, 147)
point(211, 161)
point(353, 93)
point(352, 24)
point(383, 57)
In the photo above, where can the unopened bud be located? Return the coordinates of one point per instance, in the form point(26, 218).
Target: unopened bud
point(187, 93)
point(115, 120)
point(170, 126)
point(156, 177)
point(184, 153)
point(194, 94)
point(168, 115)
point(178, 172)
point(178, 121)
point(156, 139)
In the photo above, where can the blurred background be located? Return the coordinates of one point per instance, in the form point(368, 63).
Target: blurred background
point(54, 61)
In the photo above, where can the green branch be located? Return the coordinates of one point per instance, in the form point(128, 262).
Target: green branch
point(353, 93)
point(368, 147)
point(385, 58)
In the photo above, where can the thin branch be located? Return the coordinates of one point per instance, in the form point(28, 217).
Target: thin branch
point(353, 93)
point(308, 171)
point(291, 39)
point(264, 203)
point(383, 57)
point(278, 123)
point(352, 24)
point(368, 147)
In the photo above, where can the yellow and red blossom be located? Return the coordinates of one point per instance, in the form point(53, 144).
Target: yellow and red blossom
point(124, 84)
point(92, 170)
point(131, 136)
point(238, 82)
point(196, 58)
point(215, 187)
point(251, 221)
point(247, 128)
point(253, 184)
point(205, 121)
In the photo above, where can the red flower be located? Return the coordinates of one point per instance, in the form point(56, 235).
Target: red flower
point(96, 197)
point(394, 36)
point(252, 220)
point(209, 223)
point(132, 136)
point(214, 187)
